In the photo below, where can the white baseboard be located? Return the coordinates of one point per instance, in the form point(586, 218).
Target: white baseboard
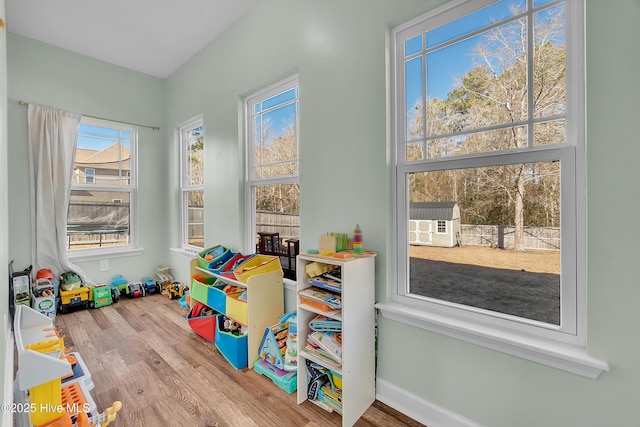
point(7, 416)
point(419, 409)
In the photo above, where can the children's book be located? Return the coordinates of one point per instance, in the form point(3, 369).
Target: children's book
point(328, 342)
point(325, 283)
point(324, 323)
point(333, 301)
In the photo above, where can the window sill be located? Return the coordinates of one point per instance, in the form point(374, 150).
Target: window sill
point(184, 252)
point(104, 254)
point(568, 357)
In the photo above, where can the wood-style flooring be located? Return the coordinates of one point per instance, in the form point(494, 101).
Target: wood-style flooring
point(143, 353)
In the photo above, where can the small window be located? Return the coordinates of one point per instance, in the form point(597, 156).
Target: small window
point(192, 184)
point(102, 204)
point(89, 175)
point(442, 227)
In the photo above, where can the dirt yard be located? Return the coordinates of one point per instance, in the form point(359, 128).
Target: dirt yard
point(532, 261)
point(524, 284)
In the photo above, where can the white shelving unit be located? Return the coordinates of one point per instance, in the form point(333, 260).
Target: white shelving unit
point(358, 332)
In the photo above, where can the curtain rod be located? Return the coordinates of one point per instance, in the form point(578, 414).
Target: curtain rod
point(110, 120)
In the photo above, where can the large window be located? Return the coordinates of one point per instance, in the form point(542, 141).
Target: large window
point(102, 203)
point(488, 119)
point(273, 189)
point(192, 184)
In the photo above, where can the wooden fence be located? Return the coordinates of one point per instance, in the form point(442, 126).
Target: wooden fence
point(287, 225)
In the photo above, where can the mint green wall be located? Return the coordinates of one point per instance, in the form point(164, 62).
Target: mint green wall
point(340, 51)
point(42, 74)
point(4, 197)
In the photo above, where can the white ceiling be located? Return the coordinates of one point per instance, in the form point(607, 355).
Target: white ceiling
point(154, 37)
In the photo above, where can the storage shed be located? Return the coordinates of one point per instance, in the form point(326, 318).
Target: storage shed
point(434, 224)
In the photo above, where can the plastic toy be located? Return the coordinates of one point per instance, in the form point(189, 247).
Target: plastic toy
point(20, 282)
point(70, 281)
point(136, 290)
point(286, 380)
point(120, 283)
point(174, 290)
point(151, 286)
point(73, 293)
point(100, 296)
point(42, 297)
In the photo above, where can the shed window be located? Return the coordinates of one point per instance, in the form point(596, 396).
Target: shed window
point(442, 227)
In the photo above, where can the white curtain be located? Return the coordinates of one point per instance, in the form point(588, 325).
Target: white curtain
point(52, 144)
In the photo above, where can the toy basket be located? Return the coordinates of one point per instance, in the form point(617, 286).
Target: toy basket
point(257, 264)
point(215, 251)
point(228, 269)
point(205, 326)
point(234, 348)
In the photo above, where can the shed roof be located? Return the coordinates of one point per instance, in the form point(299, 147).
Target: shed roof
point(446, 211)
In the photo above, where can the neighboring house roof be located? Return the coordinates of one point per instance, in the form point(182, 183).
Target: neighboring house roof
point(83, 153)
point(442, 211)
point(109, 158)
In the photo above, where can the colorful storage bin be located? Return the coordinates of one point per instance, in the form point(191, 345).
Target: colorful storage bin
point(228, 269)
point(218, 264)
point(237, 309)
point(232, 347)
point(200, 287)
point(257, 264)
point(216, 252)
point(205, 326)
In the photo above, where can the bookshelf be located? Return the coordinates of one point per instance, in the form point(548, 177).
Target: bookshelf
point(358, 332)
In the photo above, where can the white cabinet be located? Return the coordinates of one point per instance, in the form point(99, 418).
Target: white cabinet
point(358, 332)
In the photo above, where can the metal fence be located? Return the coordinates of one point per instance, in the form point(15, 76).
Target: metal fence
point(536, 238)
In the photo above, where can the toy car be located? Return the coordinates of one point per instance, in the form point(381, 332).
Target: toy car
point(136, 290)
point(151, 286)
point(100, 296)
point(174, 290)
point(73, 293)
point(120, 283)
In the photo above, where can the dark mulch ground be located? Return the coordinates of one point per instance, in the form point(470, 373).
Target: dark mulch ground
point(532, 295)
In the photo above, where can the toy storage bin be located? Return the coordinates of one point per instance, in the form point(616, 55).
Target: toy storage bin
point(218, 264)
point(232, 347)
point(200, 287)
point(215, 251)
point(228, 269)
point(257, 264)
point(237, 309)
point(205, 326)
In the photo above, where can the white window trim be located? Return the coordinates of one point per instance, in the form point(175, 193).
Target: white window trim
point(251, 183)
point(562, 350)
point(185, 247)
point(124, 250)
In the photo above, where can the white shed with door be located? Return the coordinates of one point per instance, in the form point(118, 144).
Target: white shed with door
point(434, 224)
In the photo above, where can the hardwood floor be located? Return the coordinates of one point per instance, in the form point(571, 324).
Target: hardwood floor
point(143, 353)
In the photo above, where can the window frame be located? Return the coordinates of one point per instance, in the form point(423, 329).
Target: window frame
point(131, 188)
point(251, 182)
point(563, 347)
point(186, 188)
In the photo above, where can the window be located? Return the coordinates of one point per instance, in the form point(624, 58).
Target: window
point(488, 100)
point(442, 227)
point(272, 140)
point(192, 184)
point(102, 204)
point(89, 175)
